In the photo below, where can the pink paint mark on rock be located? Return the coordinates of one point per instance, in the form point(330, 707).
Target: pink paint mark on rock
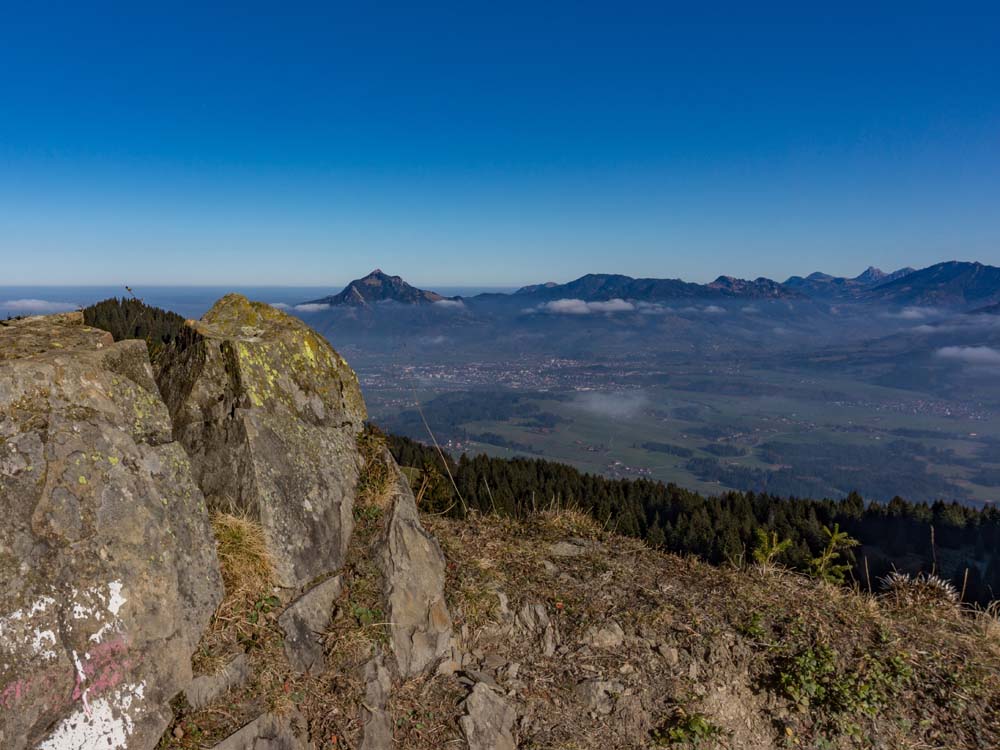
point(14, 692)
point(102, 668)
point(99, 670)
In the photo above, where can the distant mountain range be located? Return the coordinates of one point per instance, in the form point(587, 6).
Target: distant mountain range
point(823, 286)
point(952, 284)
point(599, 286)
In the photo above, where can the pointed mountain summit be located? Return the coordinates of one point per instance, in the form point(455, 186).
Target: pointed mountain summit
point(380, 287)
point(871, 275)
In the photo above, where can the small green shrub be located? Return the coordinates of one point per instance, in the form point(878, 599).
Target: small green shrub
point(683, 728)
point(839, 693)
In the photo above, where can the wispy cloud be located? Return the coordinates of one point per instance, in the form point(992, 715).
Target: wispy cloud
point(280, 305)
point(38, 306)
point(653, 308)
point(916, 313)
point(612, 405)
point(579, 307)
point(450, 304)
point(707, 309)
point(311, 307)
point(973, 355)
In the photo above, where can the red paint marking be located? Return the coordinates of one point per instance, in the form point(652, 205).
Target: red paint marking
point(105, 666)
point(14, 692)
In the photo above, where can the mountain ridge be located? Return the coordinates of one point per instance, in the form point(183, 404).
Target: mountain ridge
point(950, 283)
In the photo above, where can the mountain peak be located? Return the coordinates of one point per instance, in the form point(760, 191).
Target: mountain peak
point(871, 275)
point(379, 286)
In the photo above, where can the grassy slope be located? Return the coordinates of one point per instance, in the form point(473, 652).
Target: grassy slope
point(711, 657)
point(724, 657)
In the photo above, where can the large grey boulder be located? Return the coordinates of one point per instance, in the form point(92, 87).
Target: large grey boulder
point(269, 414)
point(108, 571)
point(413, 569)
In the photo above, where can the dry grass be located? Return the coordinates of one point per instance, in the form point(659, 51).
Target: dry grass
point(711, 642)
point(918, 677)
point(246, 621)
point(247, 565)
point(376, 479)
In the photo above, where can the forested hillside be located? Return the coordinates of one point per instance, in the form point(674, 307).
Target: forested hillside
point(952, 540)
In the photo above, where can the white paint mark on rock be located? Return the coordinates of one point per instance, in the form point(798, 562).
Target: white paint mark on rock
point(107, 726)
point(41, 643)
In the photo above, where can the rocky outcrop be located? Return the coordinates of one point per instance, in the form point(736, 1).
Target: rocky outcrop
point(108, 572)
point(268, 732)
point(488, 720)
point(206, 688)
point(413, 580)
point(377, 732)
point(269, 415)
point(303, 623)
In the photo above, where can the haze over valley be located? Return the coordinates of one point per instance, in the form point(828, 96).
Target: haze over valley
point(817, 386)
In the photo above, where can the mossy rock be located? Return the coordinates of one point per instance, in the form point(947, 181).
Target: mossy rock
point(269, 412)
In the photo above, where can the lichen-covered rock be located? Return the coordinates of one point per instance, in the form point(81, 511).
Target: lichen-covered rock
point(269, 414)
point(413, 580)
point(108, 572)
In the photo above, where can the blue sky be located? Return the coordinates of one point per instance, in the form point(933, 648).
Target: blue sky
point(496, 143)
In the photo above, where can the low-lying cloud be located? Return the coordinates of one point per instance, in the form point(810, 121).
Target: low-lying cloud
point(653, 308)
point(973, 355)
point(916, 313)
point(38, 306)
point(580, 307)
point(612, 405)
point(449, 304)
point(311, 307)
point(707, 310)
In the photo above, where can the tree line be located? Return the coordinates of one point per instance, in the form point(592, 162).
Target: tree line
point(954, 541)
point(130, 318)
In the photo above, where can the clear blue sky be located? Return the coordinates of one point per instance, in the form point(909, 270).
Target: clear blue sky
point(493, 143)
